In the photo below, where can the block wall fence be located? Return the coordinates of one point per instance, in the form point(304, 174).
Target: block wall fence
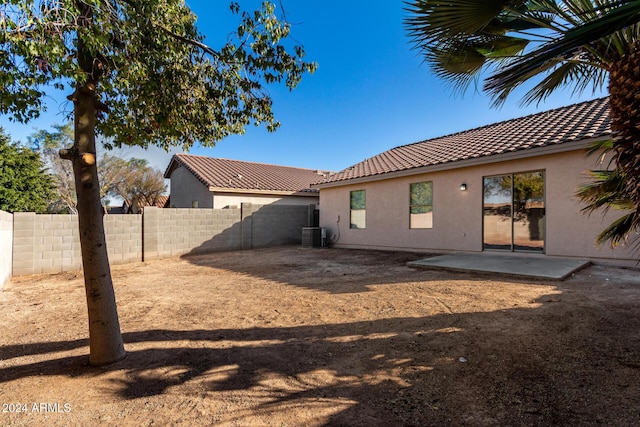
point(44, 243)
point(6, 247)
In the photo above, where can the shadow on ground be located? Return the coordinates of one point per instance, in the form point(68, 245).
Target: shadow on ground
point(495, 368)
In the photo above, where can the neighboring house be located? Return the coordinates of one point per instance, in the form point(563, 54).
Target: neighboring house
point(206, 182)
point(160, 202)
point(506, 187)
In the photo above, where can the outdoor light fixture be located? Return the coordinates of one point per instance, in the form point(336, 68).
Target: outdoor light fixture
point(463, 187)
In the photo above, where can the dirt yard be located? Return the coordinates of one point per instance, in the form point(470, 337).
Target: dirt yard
point(302, 337)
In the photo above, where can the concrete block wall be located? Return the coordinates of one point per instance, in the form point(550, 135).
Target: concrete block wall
point(178, 231)
point(124, 238)
point(278, 224)
point(51, 243)
point(6, 247)
point(45, 243)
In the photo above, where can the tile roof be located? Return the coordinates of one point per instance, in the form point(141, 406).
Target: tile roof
point(576, 122)
point(162, 201)
point(236, 174)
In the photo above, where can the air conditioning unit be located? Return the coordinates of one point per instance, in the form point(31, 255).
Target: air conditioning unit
point(314, 237)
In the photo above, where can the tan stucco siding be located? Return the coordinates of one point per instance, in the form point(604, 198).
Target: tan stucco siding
point(457, 215)
point(387, 215)
point(186, 188)
point(571, 232)
point(222, 200)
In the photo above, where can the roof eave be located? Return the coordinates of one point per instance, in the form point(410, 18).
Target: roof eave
point(173, 164)
point(177, 162)
point(494, 158)
point(263, 192)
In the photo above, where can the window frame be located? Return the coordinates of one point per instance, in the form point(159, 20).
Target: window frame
point(413, 206)
point(359, 211)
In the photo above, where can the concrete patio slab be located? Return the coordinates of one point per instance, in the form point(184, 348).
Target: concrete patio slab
point(532, 267)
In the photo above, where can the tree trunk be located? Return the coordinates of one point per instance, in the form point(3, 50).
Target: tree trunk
point(105, 339)
point(624, 95)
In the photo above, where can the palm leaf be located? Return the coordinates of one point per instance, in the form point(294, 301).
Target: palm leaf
point(580, 75)
point(596, 147)
point(619, 230)
point(454, 61)
point(562, 48)
point(433, 19)
point(607, 190)
point(502, 47)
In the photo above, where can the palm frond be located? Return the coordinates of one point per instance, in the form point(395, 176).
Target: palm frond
point(598, 147)
point(432, 20)
point(577, 74)
point(563, 48)
point(500, 47)
point(459, 61)
point(607, 190)
point(453, 61)
point(619, 230)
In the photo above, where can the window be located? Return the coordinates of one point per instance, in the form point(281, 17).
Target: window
point(358, 209)
point(421, 205)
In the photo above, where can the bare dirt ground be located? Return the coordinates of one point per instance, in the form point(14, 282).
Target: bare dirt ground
point(300, 337)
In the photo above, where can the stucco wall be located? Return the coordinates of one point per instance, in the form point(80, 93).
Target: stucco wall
point(6, 247)
point(221, 200)
point(457, 215)
point(185, 189)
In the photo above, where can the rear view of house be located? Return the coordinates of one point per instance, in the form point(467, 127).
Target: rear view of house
point(505, 187)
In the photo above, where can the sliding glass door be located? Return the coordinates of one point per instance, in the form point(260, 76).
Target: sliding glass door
point(514, 212)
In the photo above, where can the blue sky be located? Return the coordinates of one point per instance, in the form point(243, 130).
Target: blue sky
point(371, 91)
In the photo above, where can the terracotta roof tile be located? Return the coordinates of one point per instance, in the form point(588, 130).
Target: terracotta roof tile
point(576, 122)
point(236, 174)
point(162, 201)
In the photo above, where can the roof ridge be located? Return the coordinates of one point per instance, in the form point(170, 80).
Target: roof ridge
point(239, 174)
point(515, 119)
point(243, 161)
point(579, 121)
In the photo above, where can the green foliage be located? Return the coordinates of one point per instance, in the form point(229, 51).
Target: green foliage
point(141, 69)
point(358, 199)
point(608, 190)
point(527, 187)
point(517, 190)
point(421, 194)
point(24, 184)
point(569, 42)
point(161, 83)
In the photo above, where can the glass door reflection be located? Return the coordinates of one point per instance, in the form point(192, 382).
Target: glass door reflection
point(498, 201)
point(514, 212)
point(528, 212)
